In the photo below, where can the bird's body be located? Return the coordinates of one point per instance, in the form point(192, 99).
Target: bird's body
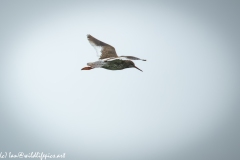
point(108, 57)
point(118, 64)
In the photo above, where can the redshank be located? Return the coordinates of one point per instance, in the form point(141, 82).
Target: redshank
point(108, 58)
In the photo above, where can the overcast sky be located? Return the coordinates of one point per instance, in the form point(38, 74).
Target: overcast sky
point(183, 106)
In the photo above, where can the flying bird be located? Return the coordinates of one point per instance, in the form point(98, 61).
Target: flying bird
point(108, 58)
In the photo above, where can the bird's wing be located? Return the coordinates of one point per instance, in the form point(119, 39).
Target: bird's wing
point(123, 58)
point(104, 50)
point(131, 58)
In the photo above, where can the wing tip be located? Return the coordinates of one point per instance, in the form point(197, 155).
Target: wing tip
point(89, 36)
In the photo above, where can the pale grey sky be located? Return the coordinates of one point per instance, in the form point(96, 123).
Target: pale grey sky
point(184, 105)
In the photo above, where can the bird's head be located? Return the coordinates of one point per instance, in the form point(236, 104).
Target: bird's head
point(132, 65)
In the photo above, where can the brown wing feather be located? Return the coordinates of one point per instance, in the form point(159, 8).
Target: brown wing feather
point(106, 50)
point(133, 58)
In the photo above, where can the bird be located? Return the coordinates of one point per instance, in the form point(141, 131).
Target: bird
point(108, 58)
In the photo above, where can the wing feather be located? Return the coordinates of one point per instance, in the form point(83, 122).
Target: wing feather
point(131, 58)
point(103, 50)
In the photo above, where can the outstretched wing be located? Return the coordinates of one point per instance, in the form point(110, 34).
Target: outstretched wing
point(104, 50)
point(132, 58)
point(124, 58)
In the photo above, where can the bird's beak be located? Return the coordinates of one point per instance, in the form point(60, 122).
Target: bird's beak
point(86, 68)
point(138, 68)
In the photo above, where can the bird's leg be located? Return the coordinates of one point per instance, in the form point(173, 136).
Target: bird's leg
point(86, 68)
